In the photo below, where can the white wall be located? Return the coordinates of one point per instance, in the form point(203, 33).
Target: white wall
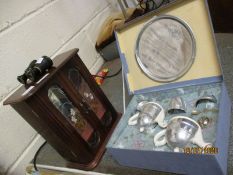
point(29, 29)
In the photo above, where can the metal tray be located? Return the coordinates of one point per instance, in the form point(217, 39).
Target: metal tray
point(165, 48)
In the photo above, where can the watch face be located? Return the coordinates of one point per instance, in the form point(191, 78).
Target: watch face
point(165, 48)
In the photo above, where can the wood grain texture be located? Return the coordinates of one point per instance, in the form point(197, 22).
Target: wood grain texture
point(39, 111)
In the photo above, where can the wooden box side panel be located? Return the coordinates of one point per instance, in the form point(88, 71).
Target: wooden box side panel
point(35, 121)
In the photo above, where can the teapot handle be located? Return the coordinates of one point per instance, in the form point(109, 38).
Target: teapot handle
point(157, 138)
point(133, 120)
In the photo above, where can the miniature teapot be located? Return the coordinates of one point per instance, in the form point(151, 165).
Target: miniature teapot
point(149, 113)
point(179, 133)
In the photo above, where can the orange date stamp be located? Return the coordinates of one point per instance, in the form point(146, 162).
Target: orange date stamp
point(200, 150)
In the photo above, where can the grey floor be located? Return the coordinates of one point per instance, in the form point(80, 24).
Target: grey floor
point(113, 90)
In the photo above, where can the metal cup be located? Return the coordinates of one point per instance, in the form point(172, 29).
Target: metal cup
point(177, 106)
point(206, 98)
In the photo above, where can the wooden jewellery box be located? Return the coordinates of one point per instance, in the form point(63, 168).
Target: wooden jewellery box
point(68, 108)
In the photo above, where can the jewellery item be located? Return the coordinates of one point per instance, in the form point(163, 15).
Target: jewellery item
point(165, 48)
point(204, 122)
point(177, 106)
point(149, 113)
point(206, 98)
point(179, 133)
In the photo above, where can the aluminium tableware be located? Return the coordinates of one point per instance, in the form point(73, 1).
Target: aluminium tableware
point(149, 113)
point(179, 133)
point(206, 98)
point(165, 48)
point(176, 106)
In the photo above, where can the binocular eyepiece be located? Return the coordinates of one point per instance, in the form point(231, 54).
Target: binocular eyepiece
point(35, 70)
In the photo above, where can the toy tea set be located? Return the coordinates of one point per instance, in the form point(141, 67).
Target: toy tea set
point(180, 130)
point(180, 101)
point(174, 39)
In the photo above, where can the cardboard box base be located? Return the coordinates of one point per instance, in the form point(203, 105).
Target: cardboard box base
point(201, 164)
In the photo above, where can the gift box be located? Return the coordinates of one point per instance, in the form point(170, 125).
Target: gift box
point(205, 68)
point(132, 148)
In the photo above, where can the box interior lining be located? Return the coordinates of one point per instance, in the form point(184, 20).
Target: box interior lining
point(129, 137)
